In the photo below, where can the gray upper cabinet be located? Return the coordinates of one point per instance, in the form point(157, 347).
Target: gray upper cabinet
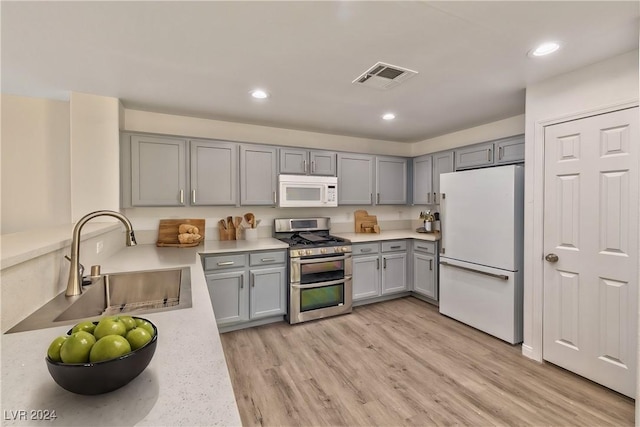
point(391, 181)
point(474, 156)
point(510, 150)
point(422, 180)
point(214, 173)
point(355, 179)
point(258, 175)
point(442, 163)
point(158, 171)
point(305, 162)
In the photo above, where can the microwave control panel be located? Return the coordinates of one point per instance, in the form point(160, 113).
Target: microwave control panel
point(332, 196)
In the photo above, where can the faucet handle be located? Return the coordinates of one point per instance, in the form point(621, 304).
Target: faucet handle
point(80, 268)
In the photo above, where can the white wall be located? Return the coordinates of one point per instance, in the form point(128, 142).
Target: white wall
point(142, 121)
point(487, 132)
point(596, 87)
point(35, 163)
point(95, 148)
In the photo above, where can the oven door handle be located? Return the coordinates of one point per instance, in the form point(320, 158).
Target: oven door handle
point(322, 259)
point(322, 284)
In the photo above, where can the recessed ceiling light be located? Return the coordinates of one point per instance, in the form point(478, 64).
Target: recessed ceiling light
point(544, 49)
point(389, 116)
point(259, 94)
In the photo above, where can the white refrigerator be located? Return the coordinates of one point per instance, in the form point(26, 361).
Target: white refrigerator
point(481, 255)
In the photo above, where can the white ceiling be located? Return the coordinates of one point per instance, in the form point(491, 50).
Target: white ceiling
point(201, 58)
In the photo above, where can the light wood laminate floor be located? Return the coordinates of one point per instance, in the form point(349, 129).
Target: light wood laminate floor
point(402, 363)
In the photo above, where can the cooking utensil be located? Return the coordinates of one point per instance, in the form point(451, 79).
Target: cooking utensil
point(251, 219)
point(222, 224)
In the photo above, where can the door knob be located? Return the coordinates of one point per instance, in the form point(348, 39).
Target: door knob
point(551, 257)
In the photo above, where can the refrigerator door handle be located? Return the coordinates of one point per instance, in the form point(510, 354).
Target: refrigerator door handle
point(497, 276)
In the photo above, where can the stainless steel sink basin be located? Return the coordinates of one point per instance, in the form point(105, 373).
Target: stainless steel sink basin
point(132, 293)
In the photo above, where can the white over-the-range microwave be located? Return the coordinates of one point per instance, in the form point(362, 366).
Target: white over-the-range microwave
point(300, 191)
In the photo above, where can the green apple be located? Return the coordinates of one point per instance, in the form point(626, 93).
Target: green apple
point(86, 325)
point(109, 347)
point(54, 348)
point(109, 326)
point(138, 337)
point(146, 325)
point(77, 347)
point(129, 322)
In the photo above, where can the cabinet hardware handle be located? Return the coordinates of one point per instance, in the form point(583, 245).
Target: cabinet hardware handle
point(422, 247)
point(384, 263)
point(313, 167)
point(499, 153)
point(304, 166)
point(378, 199)
point(242, 281)
point(497, 276)
point(430, 265)
point(193, 196)
point(268, 259)
point(489, 155)
point(370, 198)
point(378, 264)
point(436, 199)
point(221, 264)
point(395, 247)
point(274, 198)
point(428, 198)
point(253, 280)
point(365, 250)
point(181, 196)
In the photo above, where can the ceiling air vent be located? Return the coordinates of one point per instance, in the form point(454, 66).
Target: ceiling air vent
point(384, 76)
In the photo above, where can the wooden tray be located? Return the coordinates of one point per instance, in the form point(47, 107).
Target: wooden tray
point(168, 232)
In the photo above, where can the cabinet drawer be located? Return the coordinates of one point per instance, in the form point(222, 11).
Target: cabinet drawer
point(267, 258)
point(221, 262)
point(395, 245)
point(425, 247)
point(365, 248)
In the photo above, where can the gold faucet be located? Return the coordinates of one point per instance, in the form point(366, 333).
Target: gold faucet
point(74, 285)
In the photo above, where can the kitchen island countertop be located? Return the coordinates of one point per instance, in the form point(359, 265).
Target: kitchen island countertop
point(186, 383)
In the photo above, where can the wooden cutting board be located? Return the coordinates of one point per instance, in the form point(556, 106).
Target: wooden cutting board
point(365, 223)
point(168, 232)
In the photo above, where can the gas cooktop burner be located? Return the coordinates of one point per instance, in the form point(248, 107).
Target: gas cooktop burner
point(307, 239)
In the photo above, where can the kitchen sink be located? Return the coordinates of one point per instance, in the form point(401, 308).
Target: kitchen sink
point(130, 293)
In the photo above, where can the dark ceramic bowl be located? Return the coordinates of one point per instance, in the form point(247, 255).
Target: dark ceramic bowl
point(103, 377)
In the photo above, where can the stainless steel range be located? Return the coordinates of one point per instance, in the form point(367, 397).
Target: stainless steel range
point(319, 269)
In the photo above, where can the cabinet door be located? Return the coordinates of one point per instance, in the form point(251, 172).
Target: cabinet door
point(267, 296)
point(294, 161)
point(214, 174)
point(229, 297)
point(474, 156)
point(422, 182)
point(394, 273)
point(510, 150)
point(391, 181)
point(424, 275)
point(355, 179)
point(323, 163)
point(366, 277)
point(258, 175)
point(158, 171)
point(442, 163)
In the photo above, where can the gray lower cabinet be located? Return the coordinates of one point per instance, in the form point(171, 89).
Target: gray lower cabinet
point(244, 287)
point(379, 269)
point(214, 173)
point(306, 162)
point(355, 179)
point(425, 269)
point(157, 170)
point(258, 175)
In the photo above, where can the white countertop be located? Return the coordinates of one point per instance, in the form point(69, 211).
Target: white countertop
point(186, 383)
point(388, 235)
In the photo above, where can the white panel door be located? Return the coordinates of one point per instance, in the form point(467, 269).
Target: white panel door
point(591, 226)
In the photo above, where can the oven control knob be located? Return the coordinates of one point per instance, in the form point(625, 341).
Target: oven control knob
point(336, 249)
point(344, 249)
point(323, 251)
point(309, 252)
